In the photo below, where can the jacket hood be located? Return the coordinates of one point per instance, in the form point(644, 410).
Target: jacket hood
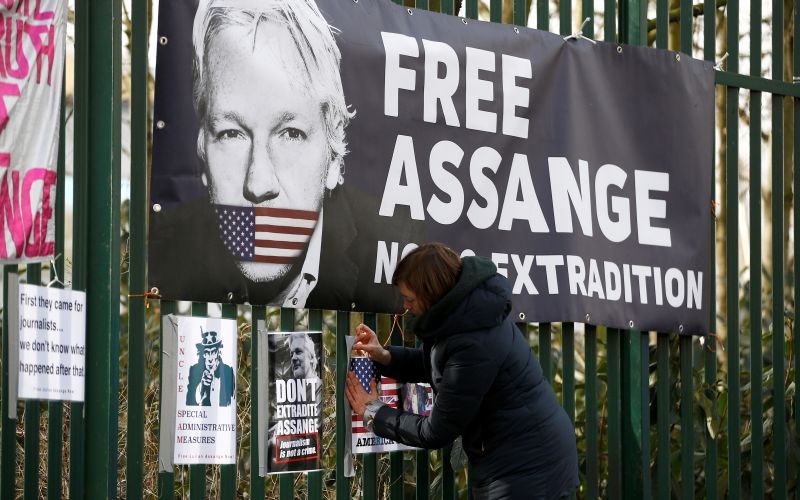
point(480, 299)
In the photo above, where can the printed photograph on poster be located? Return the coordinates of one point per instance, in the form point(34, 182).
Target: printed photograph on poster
point(52, 343)
point(205, 419)
point(31, 77)
point(283, 229)
point(294, 367)
point(364, 440)
point(418, 398)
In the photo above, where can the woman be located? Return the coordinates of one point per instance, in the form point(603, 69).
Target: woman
point(489, 386)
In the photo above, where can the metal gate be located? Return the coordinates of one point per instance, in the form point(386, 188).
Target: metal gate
point(656, 413)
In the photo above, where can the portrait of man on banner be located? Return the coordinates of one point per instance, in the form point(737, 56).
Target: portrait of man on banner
point(278, 225)
point(211, 381)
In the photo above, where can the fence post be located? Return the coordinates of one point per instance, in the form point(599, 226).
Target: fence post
point(632, 30)
point(103, 216)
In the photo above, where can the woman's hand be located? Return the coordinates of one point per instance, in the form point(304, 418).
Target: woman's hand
point(356, 395)
point(367, 342)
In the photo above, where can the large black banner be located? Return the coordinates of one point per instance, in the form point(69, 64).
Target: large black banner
point(301, 147)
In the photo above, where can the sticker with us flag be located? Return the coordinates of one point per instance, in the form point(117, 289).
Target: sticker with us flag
point(365, 441)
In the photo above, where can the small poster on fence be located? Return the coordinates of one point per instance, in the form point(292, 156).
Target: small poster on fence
point(294, 368)
point(416, 398)
point(205, 418)
point(51, 327)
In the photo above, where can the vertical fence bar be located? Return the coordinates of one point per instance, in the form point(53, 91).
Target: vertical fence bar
point(342, 330)
point(545, 356)
point(227, 472)
point(568, 374)
point(568, 343)
point(662, 24)
point(710, 353)
point(778, 304)
point(520, 13)
point(496, 11)
point(137, 280)
point(166, 480)
point(55, 409)
point(396, 457)
point(644, 388)
point(614, 414)
point(756, 411)
point(587, 10)
point(197, 472)
point(80, 240)
point(448, 7)
point(423, 467)
point(286, 481)
point(542, 14)
point(687, 425)
point(256, 481)
point(631, 415)
point(663, 416)
point(315, 478)
point(369, 471)
point(686, 26)
point(102, 308)
point(632, 30)
point(472, 9)
point(609, 21)
point(32, 417)
point(796, 206)
point(592, 428)
point(796, 191)
point(565, 18)
point(732, 255)
point(756, 369)
point(8, 443)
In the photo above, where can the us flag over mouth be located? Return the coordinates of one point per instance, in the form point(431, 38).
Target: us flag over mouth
point(269, 235)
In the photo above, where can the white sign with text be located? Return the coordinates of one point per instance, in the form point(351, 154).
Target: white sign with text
point(205, 410)
point(52, 343)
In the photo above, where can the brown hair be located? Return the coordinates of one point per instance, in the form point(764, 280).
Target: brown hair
point(430, 271)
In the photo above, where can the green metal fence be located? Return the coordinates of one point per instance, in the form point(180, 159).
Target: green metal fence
point(656, 414)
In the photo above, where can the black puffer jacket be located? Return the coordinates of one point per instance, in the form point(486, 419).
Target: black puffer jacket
point(489, 389)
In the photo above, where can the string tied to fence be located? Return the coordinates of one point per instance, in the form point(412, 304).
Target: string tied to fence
point(396, 324)
point(716, 338)
point(152, 294)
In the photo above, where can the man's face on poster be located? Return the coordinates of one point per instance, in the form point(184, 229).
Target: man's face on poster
point(301, 358)
point(211, 359)
point(264, 137)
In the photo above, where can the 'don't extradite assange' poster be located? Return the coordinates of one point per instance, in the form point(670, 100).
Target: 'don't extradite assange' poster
point(295, 401)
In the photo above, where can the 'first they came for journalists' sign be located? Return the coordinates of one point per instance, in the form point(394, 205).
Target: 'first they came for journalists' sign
point(52, 343)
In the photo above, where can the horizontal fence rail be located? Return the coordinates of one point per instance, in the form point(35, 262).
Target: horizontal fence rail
point(656, 414)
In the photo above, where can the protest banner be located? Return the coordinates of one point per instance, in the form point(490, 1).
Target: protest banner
point(205, 403)
point(582, 170)
point(33, 35)
point(295, 402)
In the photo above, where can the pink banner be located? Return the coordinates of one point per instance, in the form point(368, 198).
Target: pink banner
point(32, 53)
